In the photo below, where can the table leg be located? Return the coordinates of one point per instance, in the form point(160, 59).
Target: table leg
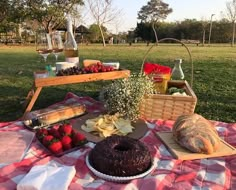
point(33, 100)
point(28, 98)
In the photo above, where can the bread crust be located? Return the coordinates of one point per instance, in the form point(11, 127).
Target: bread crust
point(196, 133)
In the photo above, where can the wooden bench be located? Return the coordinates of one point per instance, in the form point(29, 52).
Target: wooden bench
point(197, 42)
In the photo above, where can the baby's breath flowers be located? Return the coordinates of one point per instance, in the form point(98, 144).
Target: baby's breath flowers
point(124, 96)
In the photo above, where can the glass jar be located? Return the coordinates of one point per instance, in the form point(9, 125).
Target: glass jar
point(177, 72)
point(161, 82)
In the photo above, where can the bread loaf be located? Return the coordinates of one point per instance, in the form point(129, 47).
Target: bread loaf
point(49, 116)
point(196, 134)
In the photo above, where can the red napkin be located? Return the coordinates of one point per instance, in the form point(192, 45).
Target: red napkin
point(154, 68)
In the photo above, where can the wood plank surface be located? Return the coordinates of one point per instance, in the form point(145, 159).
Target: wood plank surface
point(181, 153)
point(61, 80)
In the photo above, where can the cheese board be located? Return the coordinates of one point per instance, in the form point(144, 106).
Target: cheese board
point(181, 153)
point(140, 128)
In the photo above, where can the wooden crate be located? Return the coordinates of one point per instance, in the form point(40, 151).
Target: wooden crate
point(168, 107)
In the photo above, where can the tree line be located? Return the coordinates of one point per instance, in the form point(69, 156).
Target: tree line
point(191, 29)
point(49, 15)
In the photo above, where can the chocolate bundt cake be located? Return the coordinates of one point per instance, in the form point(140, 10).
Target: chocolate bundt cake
point(120, 156)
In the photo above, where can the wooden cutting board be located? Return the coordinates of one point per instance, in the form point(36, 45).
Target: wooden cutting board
point(140, 128)
point(183, 154)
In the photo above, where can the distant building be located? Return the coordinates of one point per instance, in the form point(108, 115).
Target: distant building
point(80, 34)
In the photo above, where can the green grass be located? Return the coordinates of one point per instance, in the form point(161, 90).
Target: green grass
point(214, 75)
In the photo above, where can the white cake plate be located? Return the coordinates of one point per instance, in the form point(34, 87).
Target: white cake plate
point(119, 179)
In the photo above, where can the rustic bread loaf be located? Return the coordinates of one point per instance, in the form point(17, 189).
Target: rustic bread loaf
point(196, 134)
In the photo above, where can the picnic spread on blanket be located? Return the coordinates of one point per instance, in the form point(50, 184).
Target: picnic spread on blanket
point(143, 133)
point(166, 172)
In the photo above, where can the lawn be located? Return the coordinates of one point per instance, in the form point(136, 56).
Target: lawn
point(214, 75)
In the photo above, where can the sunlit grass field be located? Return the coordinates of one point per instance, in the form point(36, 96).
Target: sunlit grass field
point(214, 75)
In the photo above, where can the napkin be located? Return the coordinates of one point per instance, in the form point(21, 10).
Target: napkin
point(154, 68)
point(48, 177)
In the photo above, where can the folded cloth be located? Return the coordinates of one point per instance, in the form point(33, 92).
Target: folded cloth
point(48, 177)
point(154, 68)
point(14, 145)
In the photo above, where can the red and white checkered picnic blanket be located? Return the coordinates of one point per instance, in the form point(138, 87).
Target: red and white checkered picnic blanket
point(205, 174)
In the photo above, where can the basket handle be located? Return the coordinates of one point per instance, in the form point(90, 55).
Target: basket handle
point(176, 40)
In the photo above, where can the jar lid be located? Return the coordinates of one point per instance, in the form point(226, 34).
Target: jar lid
point(179, 60)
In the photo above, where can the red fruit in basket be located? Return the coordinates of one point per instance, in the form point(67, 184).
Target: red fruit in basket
point(41, 133)
point(55, 146)
point(66, 142)
point(65, 129)
point(54, 132)
point(78, 139)
point(47, 140)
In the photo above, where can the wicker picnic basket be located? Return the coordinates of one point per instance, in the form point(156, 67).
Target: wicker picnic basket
point(169, 107)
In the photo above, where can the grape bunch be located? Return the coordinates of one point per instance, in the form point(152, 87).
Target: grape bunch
point(96, 68)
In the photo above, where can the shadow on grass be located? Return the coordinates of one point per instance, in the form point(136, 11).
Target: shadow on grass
point(12, 99)
point(217, 106)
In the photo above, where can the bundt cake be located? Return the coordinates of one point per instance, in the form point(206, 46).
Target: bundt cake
point(196, 134)
point(120, 156)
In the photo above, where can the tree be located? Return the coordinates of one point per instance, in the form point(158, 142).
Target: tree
point(4, 9)
point(11, 14)
point(154, 11)
point(94, 33)
point(103, 13)
point(50, 13)
point(144, 30)
point(231, 15)
point(222, 31)
point(204, 24)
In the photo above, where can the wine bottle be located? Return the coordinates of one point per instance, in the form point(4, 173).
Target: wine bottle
point(70, 46)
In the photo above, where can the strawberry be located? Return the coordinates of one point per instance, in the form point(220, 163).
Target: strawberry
point(65, 129)
point(66, 142)
point(47, 140)
point(73, 132)
point(78, 139)
point(41, 133)
point(54, 132)
point(55, 146)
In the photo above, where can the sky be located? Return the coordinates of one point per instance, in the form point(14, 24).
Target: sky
point(182, 9)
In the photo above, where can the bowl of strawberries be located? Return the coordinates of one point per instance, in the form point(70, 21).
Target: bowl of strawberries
point(60, 139)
